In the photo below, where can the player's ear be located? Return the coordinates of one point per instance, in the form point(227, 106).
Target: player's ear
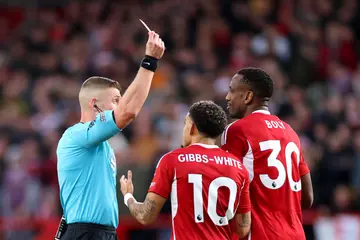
point(193, 129)
point(249, 97)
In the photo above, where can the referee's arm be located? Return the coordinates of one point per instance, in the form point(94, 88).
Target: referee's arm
point(133, 99)
point(108, 123)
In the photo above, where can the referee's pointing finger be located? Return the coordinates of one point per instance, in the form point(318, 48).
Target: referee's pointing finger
point(129, 175)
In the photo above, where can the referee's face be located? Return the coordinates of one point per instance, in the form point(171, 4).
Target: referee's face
point(109, 99)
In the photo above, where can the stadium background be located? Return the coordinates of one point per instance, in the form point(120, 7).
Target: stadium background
point(47, 48)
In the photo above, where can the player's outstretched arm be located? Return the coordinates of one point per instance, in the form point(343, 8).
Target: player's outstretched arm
point(307, 194)
point(145, 212)
point(136, 94)
point(242, 224)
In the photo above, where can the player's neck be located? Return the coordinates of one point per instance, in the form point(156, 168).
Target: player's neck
point(203, 140)
point(250, 110)
point(87, 116)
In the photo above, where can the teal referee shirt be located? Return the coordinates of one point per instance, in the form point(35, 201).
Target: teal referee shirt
point(87, 172)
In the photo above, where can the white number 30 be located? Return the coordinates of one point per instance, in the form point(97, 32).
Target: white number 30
point(272, 161)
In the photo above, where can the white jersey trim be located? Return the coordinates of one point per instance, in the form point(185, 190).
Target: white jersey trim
point(224, 135)
point(248, 161)
point(157, 165)
point(205, 145)
point(174, 203)
point(262, 111)
point(242, 187)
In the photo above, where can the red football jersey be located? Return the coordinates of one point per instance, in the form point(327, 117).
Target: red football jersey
point(270, 150)
point(208, 186)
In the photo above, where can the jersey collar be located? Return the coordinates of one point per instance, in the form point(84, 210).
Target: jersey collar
point(262, 111)
point(205, 145)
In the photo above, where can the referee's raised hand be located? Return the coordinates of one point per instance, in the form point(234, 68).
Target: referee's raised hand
point(155, 47)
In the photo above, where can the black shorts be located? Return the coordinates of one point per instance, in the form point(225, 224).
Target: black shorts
point(85, 231)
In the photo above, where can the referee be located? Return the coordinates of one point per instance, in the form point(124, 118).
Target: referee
point(86, 162)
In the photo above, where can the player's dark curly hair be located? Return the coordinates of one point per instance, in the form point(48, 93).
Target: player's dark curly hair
point(209, 118)
point(258, 81)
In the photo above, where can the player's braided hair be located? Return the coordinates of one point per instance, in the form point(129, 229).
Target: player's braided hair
point(258, 81)
point(209, 118)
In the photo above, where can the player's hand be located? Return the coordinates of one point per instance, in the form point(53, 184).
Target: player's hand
point(155, 47)
point(126, 184)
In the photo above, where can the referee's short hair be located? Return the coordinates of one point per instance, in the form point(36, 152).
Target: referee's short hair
point(209, 118)
point(100, 82)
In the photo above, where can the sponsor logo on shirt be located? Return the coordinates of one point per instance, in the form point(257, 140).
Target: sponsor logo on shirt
point(92, 123)
point(102, 117)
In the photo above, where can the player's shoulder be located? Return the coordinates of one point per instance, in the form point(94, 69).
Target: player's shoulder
point(176, 152)
point(288, 127)
point(239, 125)
point(233, 157)
point(236, 124)
point(273, 122)
point(229, 155)
point(264, 120)
point(291, 132)
point(169, 157)
point(233, 128)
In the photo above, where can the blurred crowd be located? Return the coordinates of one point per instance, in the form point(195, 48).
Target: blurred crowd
point(310, 48)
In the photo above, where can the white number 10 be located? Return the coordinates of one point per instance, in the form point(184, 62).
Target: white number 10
point(272, 161)
point(196, 180)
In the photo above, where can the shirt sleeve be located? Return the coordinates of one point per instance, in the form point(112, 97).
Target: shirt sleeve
point(163, 177)
point(245, 204)
point(96, 131)
point(234, 141)
point(303, 167)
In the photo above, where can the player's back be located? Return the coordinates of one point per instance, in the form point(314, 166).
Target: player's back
point(275, 164)
point(206, 192)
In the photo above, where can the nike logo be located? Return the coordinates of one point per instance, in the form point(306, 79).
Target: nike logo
point(146, 63)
